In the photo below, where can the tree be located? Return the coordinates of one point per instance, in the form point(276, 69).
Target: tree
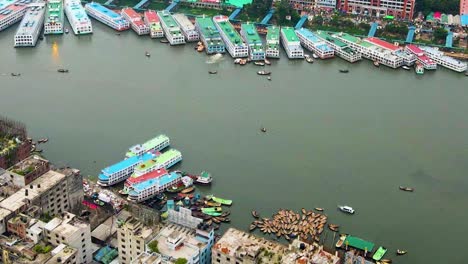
point(153, 246)
point(439, 34)
point(318, 20)
point(181, 261)
point(284, 10)
point(258, 8)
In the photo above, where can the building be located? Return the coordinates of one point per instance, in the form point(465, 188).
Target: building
point(35, 232)
point(73, 232)
point(63, 254)
point(194, 245)
point(27, 170)
point(150, 258)
point(398, 8)
point(18, 225)
point(132, 237)
point(183, 217)
point(14, 145)
point(463, 7)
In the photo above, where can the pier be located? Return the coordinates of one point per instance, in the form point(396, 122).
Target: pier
point(301, 22)
point(268, 16)
point(235, 13)
point(172, 5)
point(373, 29)
point(410, 36)
point(140, 4)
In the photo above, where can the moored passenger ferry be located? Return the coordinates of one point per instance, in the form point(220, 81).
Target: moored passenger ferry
point(291, 43)
point(272, 42)
point(209, 35)
point(135, 20)
point(251, 37)
point(12, 12)
point(30, 27)
point(106, 16)
point(233, 41)
point(164, 160)
point(188, 29)
point(53, 23)
point(147, 189)
point(171, 29)
point(152, 21)
point(422, 58)
point(341, 49)
point(122, 170)
point(79, 20)
point(155, 144)
point(445, 61)
point(313, 43)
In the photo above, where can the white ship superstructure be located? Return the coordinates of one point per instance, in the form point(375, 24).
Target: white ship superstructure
point(188, 29)
point(12, 12)
point(30, 27)
point(76, 15)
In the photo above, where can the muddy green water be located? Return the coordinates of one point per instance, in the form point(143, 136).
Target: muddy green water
point(332, 138)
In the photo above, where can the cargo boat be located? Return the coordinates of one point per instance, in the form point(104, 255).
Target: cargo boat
point(408, 58)
point(137, 179)
point(444, 61)
point(135, 21)
point(250, 35)
point(106, 16)
point(171, 30)
point(30, 27)
point(188, 29)
point(204, 178)
point(147, 189)
point(152, 21)
point(272, 42)
point(155, 144)
point(53, 23)
point(427, 62)
point(341, 49)
point(291, 43)
point(122, 170)
point(76, 15)
point(313, 43)
point(233, 41)
point(209, 35)
point(12, 12)
point(164, 160)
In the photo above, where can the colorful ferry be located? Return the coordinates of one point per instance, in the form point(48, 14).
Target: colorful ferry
point(272, 42)
point(122, 170)
point(341, 49)
point(164, 160)
point(171, 30)
point(188, 29)
point(408, 58)
point(234, 44)
point(148, 176)
point(79, 20)
point(155, 144)
point(291, 43)
point(152, 21)
point(54, 17)
point(209, 35)
point(147, 189)
point(30, 27)
point(313, 43)
point(427, 62)
point(106, 16)
point(251, 37)
point(12, 12)
point(135, 20)
point(419, 68)
point(444, 61)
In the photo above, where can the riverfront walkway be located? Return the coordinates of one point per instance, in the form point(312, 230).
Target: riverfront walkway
point(410, 36)
point(140, 4)
point(301, 22)
point(372, 30)
point(268, 16)
point(235, 13)
point(171, 6)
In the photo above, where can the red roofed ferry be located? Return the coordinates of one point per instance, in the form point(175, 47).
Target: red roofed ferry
point(135, 20)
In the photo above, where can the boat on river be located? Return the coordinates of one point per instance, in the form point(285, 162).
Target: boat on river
point(379, 253)
point(263, 73)
point(204, 178)
point(401, 252)
point(346, 209)
point(222, 201)
point(406, 189)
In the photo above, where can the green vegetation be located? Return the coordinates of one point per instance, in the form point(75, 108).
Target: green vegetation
point(256, 10)
point(42, 249)
point(439, 35)
point(339, 24)
point(158, 5)
point(284, 11)
point(24, 172)
point(444, 6)
point(196, 11)
point(181, 261)
point(45, 217)
point(394, 30)
point(153, 246)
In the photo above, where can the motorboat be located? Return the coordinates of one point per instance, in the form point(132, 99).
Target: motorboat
point(63, 70)
point(401, 252)
point(344, 70)
point(405, 68)
point(376, 64)
point(263, 73)
point(315, 56)
point(212, 72)
point(267, 62)
point(346, 209)
point(66, 31)
point(309, 60)
point(255, 214)
point(318, 209)
point(147, 54)
point(263, 130)
point(15, 74)
point(259, 63)
point(269, 78)
point(165, 41)
point(406, 189)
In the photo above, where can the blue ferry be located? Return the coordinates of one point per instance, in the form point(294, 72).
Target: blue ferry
point(122, 170)
point(145, 190)
point(107, 16)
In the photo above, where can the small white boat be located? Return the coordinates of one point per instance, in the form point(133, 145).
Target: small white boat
point(406, 67)
point(315, 56)
point(66, 31)
point(237, 61)
point(346, 209)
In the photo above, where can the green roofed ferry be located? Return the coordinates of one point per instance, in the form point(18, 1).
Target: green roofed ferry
point(251, 37)
point(234, 43)
point(155, 144)
point(53, 23)
point(272, 42)
point(209, 35)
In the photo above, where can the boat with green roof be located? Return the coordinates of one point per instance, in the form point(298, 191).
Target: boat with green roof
point(291, 43)
point(165, 160)
point(249, 33)
point(234, 43)
point(155, 144)
point(209, 35)
point(379, 253)
point(272, 42)
point(152, 21)
point(341, 49)
point(171, 29)
point(221, 201)
point(53, 23)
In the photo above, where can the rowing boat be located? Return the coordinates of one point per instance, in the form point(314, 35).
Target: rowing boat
point(222, 201)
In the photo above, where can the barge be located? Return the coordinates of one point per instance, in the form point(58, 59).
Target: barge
point(171, 30)
point(106, 16)
point(250, 35)
point(30, 27)
point(272, 42)
point(147, 189)
point(135, 21)
point(155, 144)
point(54, 17)
point(313, 43)
point(444, 61)
point(76, 15)
point(291, 43)
point(12, 13)
point(341, 49)
point(188, 29)
point(152, 21)
point(209, 35)
point(233, 41)
point(122, 170)
point(422, 58)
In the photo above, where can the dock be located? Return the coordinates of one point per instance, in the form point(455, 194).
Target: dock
point(172, 5)
point(410, 36)
point(268, 16)
point(373, 29)
point(301, 22)
point(235, 13)
point(449, 40)
point(140, 4)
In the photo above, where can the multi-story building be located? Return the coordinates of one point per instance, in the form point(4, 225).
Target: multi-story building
point(132, 237)
point(5, 215)
point(464, 7)
point(35, 232)
point(63, 254)
point(399, 8)
point(73, 232)
point(312, 4)
point(27, 170)
point(150, 258)
point(13, 148)
point(18, 225)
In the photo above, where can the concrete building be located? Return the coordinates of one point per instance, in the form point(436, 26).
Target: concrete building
point(63, 254)
point(183, 217)
point(398, 8)
point(305, 5)
point(150, 258)
point(18, 225)
point(5, 215)
point(132, 237)
point(463, 7)
point(35, 232)
point(27, 170)
point(71, 231)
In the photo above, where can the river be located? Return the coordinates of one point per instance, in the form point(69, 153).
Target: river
point(332, 138)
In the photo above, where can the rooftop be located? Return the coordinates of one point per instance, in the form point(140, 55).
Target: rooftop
point(105, 11)
point(189, 247)
point(138, 229)
point(238, 3)
point(273, 34)
point(230, 31)
point(76, 10)
point(28, 165)
point(151, 16)
point(160, 160)
point(160, 181)
point(207, 27)
point(169, 21)
point(127, 163)
point(40, 185)
point(62, 254)
point(290, 34)
point(183, 22)
point(54, 11)
point(354, 39)
point(359, 243)
point(150, 175)
point(251, 35)
point(317, 42)
point(65, 226)
point(382, 44)
point(10, 9)
point(31, 21)
point(150, 258)
point(4, 213)
point(328, 36)
point(106, 229)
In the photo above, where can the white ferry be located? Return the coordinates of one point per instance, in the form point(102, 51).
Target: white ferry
point(122, 170)
point(106, 16)
point(79, 20)
point(444, 61)
point(152, 21)
point(155, 144)
point(425, 61)
point(272, 42)
point(408, 58)
point(251, 37)
point(145, 190)
point(12, 13)
point(291, 43)
point(341, 49)
point(135, 20)
point(234, 43)
point(188, 29)
point(311, 42)
point(164, 160)
point(209, 35)
point(171, 30)
point(54, 17)
point(30, 27)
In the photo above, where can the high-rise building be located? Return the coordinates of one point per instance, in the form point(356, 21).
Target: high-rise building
point(398, 8)
point(464, 7)
point(132, 237)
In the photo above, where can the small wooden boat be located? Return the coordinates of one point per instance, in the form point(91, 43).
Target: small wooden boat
point(15, 74)
point(318, 209)
point(188, 190)
point(269, 78)
point(200, 48)
point(267, 62)
point(333, 225)
point(332, 228)
point(212, 204)
point(175, 189)
point(216, 227)
point(225, 214)
point(243, 62)
point(406, 189)
point(376, 64)
point(216, 220)
point(379, 253)
point(225, 220)
point(259, 63)
point(263, 73)
point(62, 70)
point(164, 41)
point(401, 252)
point(386, 260)
point(147, 54)
point(315, 56)
point(209, 222)
point(255, 214)
point(212, 72)
point(252, 227)
point(303, 211)
point(237, 61)
point(309, 60)
point(406, 68)
point(340, 242)
point(344, 70)
point(185, 195)
point(263, 130)
point(66, 31)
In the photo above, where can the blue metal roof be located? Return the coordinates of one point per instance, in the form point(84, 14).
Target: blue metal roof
point(125, 164)
point(165, 179)
point(104, 10)
point(314, 39)
point(464, 20)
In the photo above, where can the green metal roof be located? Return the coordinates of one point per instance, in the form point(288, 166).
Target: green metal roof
point(231, 32)
point(207, 27)
point(169, 21)
point(238, 3)
point(272, 37)
point(164, 157)
point(359, 243)
point(354, 39)
point(252, 37)
point(54, 12)
point(328, 37)
point(289, 33)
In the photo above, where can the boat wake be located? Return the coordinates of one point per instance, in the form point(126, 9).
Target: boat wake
point(215, 58)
